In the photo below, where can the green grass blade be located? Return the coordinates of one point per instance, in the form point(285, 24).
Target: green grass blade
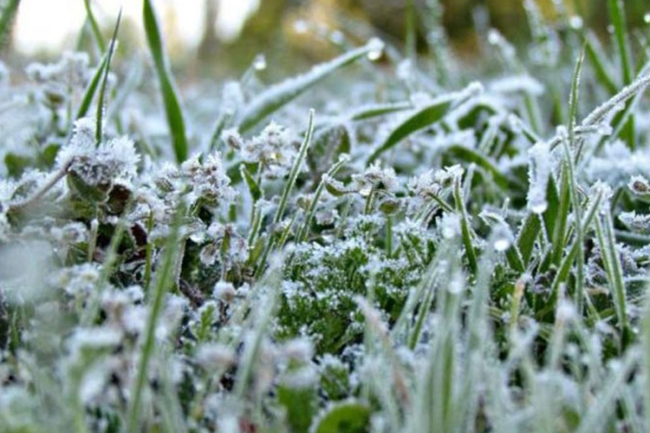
point(94, 26)
point(466, 229)
point(7, 15)
point(277, 96)
point(593, 51)
point(376, 110)
point(423, 118)
point(612, 265)
point(164, 278)
point(295, 169)
point(91, 89)
point(311, 212)
point(617, 15)
point(99, 132)
point(173, 110)
point(472, 156)
point(253, 187)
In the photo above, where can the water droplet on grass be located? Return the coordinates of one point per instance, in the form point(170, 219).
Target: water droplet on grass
point(300, 26)
point(376, 47)
point(576, 22)
point(260, 62)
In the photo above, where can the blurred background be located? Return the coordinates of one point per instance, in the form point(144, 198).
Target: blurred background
point(225, 35)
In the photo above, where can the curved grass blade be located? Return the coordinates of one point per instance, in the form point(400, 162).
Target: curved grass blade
point(376, 110)
point(102, 91)
point(423, 118)
point(7, 15)
point(170, 98)
point(472, 156)
point(280, 94)
point(99, 39)
point(89, 93)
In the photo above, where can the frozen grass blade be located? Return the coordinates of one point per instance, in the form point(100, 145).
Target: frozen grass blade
point(466, 229)
point(7, 15)
point(645, 340)
point(471, 156)
point(99, 130)
point(612, 264)
point(311, 212)
point(295, 169)
point(277, 96)
point(164, 278)
point(424, 117)
point(288, 187)
point(598, 115)
point(173, 111)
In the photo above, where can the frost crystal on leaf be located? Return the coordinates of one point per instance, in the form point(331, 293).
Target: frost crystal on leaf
point(538, 174)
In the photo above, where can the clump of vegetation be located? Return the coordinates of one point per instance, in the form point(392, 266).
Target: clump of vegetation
point(416, 247)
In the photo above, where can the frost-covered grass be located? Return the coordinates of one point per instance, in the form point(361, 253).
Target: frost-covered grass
point(419, 245)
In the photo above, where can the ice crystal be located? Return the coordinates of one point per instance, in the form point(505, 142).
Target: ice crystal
point(538, 175)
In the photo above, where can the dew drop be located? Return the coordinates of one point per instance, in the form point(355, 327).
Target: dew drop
point(260, 62)
point(576, 22)
point(376, 47)
point(539, 207)
point(502, 244)
point(646, 18)
point(337, 37)
point(604, 129)
point(365, 191)
point(300, 26)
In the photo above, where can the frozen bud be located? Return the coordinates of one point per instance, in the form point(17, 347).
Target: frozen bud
point(215, 356)
point(389, 205)
point(232, 138)
point(299, 349)
point(209, 253)
point(224, 291)
point(639, 186)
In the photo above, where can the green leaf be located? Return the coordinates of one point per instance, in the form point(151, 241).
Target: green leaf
point(300, 404)
point(173, 111)
point(16, 164)
point(348, 417)
point(253, 187)
point(277, 96)
point(422, 118)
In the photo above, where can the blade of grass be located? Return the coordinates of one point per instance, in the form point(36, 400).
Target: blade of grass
point(288, 187)
point(612, 265)
point(164, 279)
point(173, 111)
point(593, 51)
point(94, 26)
point(277, 96)
point(91, 89)
point(311, 212)
point(99, 132)
point(466, 229)
point(424, 117)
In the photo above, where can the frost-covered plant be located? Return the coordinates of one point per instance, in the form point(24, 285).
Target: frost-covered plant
point(410, 258)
